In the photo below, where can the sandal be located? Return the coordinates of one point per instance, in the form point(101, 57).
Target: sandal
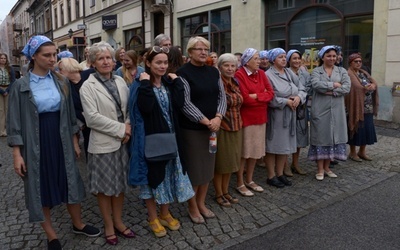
point(246, 192)
point(169, 221)
point(253, 186)
point(230, 198)
point(157, 228)
point(222, 201)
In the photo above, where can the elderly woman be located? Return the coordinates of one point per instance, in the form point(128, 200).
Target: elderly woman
point(281, 127)
point(362, 104)
point(7, 77)
point(264, 63)
point(42, 130)
point(203, 111)
point(257, 92)
point(301, 78)
point(130, 70)
point(230, 135)
point(104, 100)
point(328, 133)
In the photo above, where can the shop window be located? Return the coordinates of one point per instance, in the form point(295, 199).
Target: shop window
point(134, 40)
point(220, 33)
point(286, 4)
point(322, 1)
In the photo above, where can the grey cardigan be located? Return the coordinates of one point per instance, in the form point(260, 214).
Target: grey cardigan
point(23, 131)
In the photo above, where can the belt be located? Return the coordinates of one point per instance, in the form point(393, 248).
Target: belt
point(4, 86)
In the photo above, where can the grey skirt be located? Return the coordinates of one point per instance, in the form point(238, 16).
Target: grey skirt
point(199, 162)
point(108, 172)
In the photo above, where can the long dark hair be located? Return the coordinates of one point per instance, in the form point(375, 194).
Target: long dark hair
point(175, 60)
point(7, 65)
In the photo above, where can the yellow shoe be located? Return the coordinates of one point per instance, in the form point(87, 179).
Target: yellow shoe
point(170, 222)
point(157, 228)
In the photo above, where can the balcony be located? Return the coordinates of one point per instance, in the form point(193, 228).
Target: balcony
point(17, 27)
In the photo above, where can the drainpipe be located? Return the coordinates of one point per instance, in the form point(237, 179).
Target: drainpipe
point(143, 34)
point(171, 21)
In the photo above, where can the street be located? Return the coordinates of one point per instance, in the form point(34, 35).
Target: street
point(357, 210)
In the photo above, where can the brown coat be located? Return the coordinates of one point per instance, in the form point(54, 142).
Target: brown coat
point(355, 100)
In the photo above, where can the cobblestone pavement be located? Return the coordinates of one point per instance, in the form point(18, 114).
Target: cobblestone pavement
point(251, 217)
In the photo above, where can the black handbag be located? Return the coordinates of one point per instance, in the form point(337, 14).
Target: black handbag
point(160, 147)
point(301, 111)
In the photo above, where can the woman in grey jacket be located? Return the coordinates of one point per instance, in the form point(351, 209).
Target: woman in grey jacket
point(41, 127)
point(328, 131)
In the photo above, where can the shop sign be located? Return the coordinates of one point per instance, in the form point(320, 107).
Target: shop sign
point(311, 41)
point(109, 22)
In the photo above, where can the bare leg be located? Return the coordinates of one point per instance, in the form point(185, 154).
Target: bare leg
point(270, 163)
point(251, 164)
point(105, 206)
point(47, 226)
point(225, 183)
point(201, 198)
point(151, 209)
point(239, 174)
point(280, 163)
point(164, 210)
point(326, 165)
point(320, 165)
point(361, 151)
point(117, 204)
point(75, 212)
point(295, 162)
point(353, 152)
point(193, 209)
point(218, 182)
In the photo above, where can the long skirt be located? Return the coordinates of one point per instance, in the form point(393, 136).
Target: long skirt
point(337, 151)
point(108, 172)
point(175, 187)
point(199, 161)
point(365, 134)
point(229, 151)
point(53, 176)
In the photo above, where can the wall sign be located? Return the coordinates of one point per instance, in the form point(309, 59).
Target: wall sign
point(109, 22)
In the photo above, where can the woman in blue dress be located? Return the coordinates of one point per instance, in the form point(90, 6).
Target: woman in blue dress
point(153, 100)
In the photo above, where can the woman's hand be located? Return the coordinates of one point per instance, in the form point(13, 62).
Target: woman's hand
point(144, 76)
point(337, 85)
point(77, 149)
point(253, 96)
point(19, 163)
point(128, 133)
point(291, 103)
point(172, 76)
point(214, 124)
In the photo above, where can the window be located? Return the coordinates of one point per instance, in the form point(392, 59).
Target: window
point(55, 18)
point(62, 14)
point(322, 1)
point(47, 22)
point(69, 11)
point(92, 3)
point(134, 39)
point(220, 29)
point(285, 4)
point(77, 8)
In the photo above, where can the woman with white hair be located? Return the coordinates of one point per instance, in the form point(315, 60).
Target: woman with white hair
point(104, 100)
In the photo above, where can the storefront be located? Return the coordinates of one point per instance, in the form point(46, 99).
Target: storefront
point(297, 24)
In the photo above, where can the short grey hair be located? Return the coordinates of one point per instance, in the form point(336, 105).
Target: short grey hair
point(159, 39)
point(227, 57)
point(98, 48)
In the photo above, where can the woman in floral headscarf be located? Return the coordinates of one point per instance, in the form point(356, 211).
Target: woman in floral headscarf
point(257, 92)
point(328, 135)
point(42, 129)
point(362, 104)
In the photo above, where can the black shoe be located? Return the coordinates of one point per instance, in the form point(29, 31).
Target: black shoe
point(334, 162)
point(54, 245)
point(275, 182)
point(87, 230)
point(284, 180)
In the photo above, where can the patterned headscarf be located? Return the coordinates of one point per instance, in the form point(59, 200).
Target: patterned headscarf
point(322, 51)
point(33, 44)
point(65, 54)
point(263, 54)
point(247, 55)
point(290, 53)
point(353, 57)
point(274, 53)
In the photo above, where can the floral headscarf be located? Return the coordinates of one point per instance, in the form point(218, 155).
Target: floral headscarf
point(33, 44)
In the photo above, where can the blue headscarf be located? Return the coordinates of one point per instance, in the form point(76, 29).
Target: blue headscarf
point(290, 53)
point(322, 51)
point(65, 54)
point(263, 54)
point(247, 55)
point(274, 53)
point(33, 44)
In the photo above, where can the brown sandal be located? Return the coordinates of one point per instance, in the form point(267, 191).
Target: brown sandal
point(231, 199)
point(222, 201)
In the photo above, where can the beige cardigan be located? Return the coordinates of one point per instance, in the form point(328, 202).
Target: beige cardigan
point(101, 115)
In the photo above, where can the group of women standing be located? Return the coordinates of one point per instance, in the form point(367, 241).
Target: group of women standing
point(254, 113)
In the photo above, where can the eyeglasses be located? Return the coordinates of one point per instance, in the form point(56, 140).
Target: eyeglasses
point(158, 49)
point(357, 61)
point(200, 49)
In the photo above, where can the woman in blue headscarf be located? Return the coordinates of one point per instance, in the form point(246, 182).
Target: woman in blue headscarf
point(41, 126)
point(328, 131)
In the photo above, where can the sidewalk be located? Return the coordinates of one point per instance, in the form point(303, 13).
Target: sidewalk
point(248, 219)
